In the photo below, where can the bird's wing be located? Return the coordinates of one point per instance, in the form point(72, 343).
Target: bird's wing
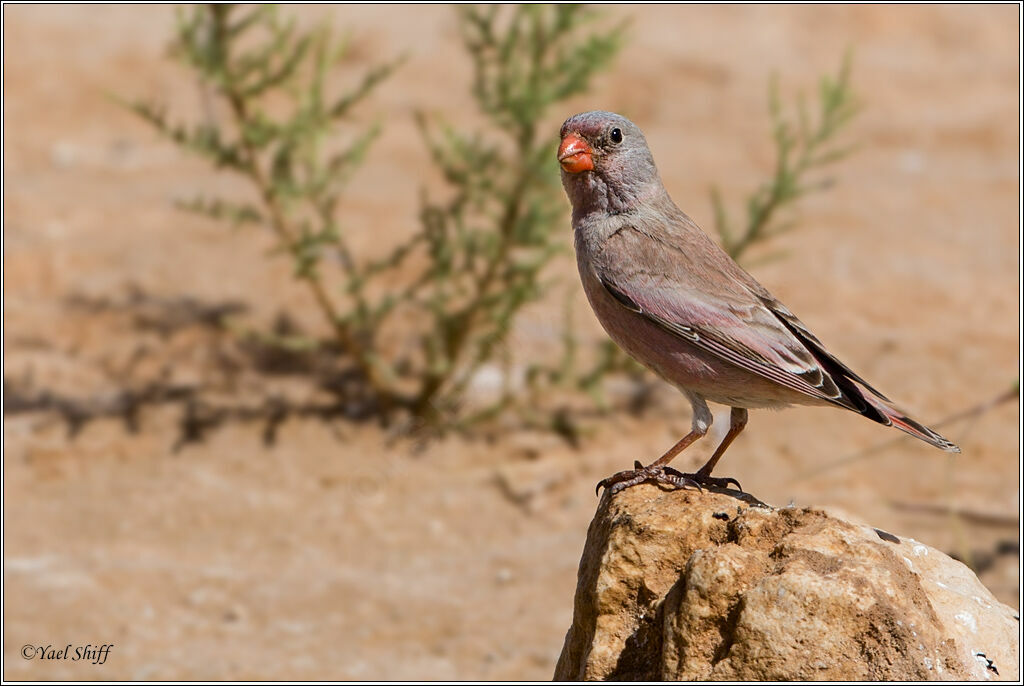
point(832, 363)
point(725, 313)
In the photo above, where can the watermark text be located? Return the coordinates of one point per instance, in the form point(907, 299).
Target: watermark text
point(95, 654)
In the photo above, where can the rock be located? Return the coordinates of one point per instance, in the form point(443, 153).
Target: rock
point(682, 585)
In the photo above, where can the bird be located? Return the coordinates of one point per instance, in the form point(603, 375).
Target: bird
point(674, 300)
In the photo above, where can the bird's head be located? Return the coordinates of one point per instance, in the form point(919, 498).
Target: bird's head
point(605, 162)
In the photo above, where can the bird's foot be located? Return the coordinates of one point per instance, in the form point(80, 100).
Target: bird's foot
point(640, 474)
point(663, 475)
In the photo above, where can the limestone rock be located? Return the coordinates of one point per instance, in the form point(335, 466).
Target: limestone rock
point(680, 585)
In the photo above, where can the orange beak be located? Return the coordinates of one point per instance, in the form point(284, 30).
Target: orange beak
point(575, 155)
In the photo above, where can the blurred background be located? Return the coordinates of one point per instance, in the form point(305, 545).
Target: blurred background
point(334, 407)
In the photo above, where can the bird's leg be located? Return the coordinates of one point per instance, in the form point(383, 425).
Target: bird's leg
point(659, 472)
point(737, 422)
point(679, 447)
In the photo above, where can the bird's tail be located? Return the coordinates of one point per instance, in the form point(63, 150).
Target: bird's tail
point(893, 417)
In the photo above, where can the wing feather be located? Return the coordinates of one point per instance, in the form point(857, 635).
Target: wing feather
point(757, 342)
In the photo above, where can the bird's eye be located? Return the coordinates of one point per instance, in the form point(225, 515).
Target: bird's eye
point(616, 135)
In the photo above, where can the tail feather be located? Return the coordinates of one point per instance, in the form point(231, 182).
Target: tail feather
point(893, 417)
point(855, 393)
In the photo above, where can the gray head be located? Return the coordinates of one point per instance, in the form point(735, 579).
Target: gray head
point(606, 165)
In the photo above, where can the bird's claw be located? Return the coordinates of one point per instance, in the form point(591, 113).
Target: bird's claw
point(662, 475)
point(716, 481)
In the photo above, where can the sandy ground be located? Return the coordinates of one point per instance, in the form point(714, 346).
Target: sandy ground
point(339, 553)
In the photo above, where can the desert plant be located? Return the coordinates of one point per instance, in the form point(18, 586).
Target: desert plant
point(477, 257)
point(255, 64)
point(802, 147)
point(502, 223)
point(480, 254)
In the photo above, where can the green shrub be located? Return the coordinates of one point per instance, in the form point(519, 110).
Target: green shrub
point(479, 253)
